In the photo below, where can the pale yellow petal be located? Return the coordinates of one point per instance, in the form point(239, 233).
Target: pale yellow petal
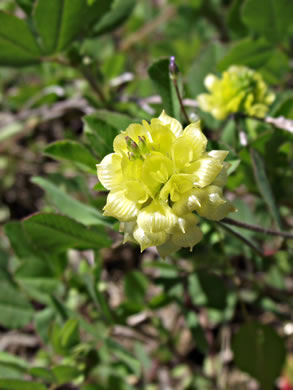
point(176, 186)
point(162, 136)
point(157, 169)
point(218, 154)
point(109, 171)
point(213, 205)
point(205, 170)
point(190, 146)
point(188, 202)
point(131, 169)
point(118, 206)
point(184, 222)
point(127, 228)
point(167, 248)
point(119, 144)
point(136, 191)
point(146, 240)
point(188, 239)
point(210, 81)
point(175, 126)
point(156, 218)
point(222, 177)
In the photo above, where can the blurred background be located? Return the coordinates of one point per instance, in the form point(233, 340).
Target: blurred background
point(108, 317)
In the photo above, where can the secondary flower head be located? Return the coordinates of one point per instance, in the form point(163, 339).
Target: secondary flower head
point(240, 90)
point(158, 175)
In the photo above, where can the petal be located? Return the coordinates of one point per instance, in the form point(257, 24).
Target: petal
point(218, 154)
point(131, 169)
point(188, 239)
point(146, 240)
point(205, 170)
point(133, 131)
point(156, 171)
point(210, 81)
point(156, 218)
point(176, 186)
point(188, 202)
point(190, 146)
point(109, 171)
point(213, 205)
point(136, 192)
point(167, 248)
point(162, 136)
point(119, 144)
point(222, 177)
point(184, 223)
point(127, 228)
point(175, 126)
point(118, 206)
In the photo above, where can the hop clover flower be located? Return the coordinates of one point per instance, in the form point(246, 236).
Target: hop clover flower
point(239, 90)
point(158, 175)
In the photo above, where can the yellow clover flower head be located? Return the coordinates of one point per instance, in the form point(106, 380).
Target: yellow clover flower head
point(240, 89)
point(158, 175)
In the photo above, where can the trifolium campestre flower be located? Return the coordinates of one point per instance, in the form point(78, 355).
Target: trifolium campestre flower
point(240, 90)
point(158, 176)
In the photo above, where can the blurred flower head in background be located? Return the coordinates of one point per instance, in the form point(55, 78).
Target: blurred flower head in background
point(240, 90)
point(158, 175)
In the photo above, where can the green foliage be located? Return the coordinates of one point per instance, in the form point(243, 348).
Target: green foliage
point(57, 233)
point(72, 151)
point(275, 19)
point(159, 73)
point(259, 351)
point(80, 309)
point(17, 44)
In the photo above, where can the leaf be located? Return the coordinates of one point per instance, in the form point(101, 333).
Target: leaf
point(72, 151)
point(43, 373)
point(122, 354)
point(36, 277)
point(264, 186)
point(135, 286)
point(65, 374)
point(43, 320)
point(259, 351)
point(247, 52)
point(196, 331)
point(13, 363)
point(275, 20)
point(98, 298)
point(159, 73)
point(55, 233)
point(208, 289)
point(117, 120)
point(60, 22)
point(18, 46)
point(234, 18)
point(205, 63)
point(69, 206)
point(69, 335)
point(100, 135)
point(19, 240)
point(16, 384)
point(16, 311)
point(120, 12)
